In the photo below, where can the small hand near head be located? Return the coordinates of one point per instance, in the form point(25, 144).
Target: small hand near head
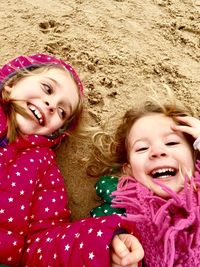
point(191, 126)
point(126, 251)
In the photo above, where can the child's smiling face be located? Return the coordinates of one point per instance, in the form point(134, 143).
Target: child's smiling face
point(157, 153)
point(49, 98)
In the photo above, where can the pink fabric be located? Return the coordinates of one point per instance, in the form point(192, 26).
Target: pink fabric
point(38, 59)
point(35, 228)
point(169, 229)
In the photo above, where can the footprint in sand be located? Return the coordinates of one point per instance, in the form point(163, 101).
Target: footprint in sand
point(48, 26)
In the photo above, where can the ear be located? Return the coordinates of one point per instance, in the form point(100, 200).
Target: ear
point(127, 169)
point(7, 88)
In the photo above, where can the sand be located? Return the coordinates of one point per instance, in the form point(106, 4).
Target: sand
point(120, 48)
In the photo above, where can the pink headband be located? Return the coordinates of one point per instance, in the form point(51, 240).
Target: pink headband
point(36, 60)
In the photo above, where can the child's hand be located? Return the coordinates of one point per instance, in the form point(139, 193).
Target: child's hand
point(126, 251)
point(192, 126)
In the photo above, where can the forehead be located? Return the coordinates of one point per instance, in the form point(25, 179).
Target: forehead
point(151, 124)
point(57, 73)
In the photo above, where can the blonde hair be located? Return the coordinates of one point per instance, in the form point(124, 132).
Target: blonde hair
point(109, 152)
point(11, 106)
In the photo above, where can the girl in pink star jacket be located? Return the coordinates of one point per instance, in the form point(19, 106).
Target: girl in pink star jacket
point(156, 150)
point(41, 101)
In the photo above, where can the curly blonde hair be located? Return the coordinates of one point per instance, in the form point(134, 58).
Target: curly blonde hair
point(12, 107)
point(109, 150)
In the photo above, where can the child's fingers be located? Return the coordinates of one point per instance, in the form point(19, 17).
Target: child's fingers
point(115, 259)
point(136, 252)
point(192, 126)
point(189, 121)
point(119, 247)
point(187, 129)
point(127, 250)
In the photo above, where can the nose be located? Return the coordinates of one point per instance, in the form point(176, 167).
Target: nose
point(50, 107)
point(158, 152)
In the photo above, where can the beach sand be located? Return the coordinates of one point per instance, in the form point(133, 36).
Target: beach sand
point(122, 49)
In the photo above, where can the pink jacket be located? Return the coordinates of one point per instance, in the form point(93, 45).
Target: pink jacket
point(169, 229)
point(35, 228)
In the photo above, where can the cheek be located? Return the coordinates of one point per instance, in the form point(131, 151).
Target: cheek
point(55, 123)
point(137, 168)
point(189, 163)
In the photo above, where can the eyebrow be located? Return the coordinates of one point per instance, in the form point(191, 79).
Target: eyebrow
point(58, 85)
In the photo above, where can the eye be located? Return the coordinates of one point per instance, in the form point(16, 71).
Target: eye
point(141, 149)
point(62, 113)
point(47, 88)
point(173, 143)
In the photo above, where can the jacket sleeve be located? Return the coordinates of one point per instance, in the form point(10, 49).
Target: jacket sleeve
point(53, 240)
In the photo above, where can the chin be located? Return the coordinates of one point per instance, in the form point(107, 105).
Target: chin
point(162, 193)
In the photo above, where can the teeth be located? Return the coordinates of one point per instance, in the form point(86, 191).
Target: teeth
point(163, 173)
point(37, 113)
point(163, 170)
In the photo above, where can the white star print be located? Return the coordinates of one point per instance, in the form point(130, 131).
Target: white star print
point(10, 219)
point(10, 199)
point(1, 211)
point(99, 233)
point(90, 231)
point(81, 245)
point(46, 209)
point(67, 247)
point(18, 173)
point(77, 235)
point(91, 255)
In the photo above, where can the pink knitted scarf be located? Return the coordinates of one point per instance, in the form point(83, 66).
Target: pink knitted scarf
point(169, 229)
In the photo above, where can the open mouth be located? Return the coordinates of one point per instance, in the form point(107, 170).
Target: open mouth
point(163, 173)
point(37, 114)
